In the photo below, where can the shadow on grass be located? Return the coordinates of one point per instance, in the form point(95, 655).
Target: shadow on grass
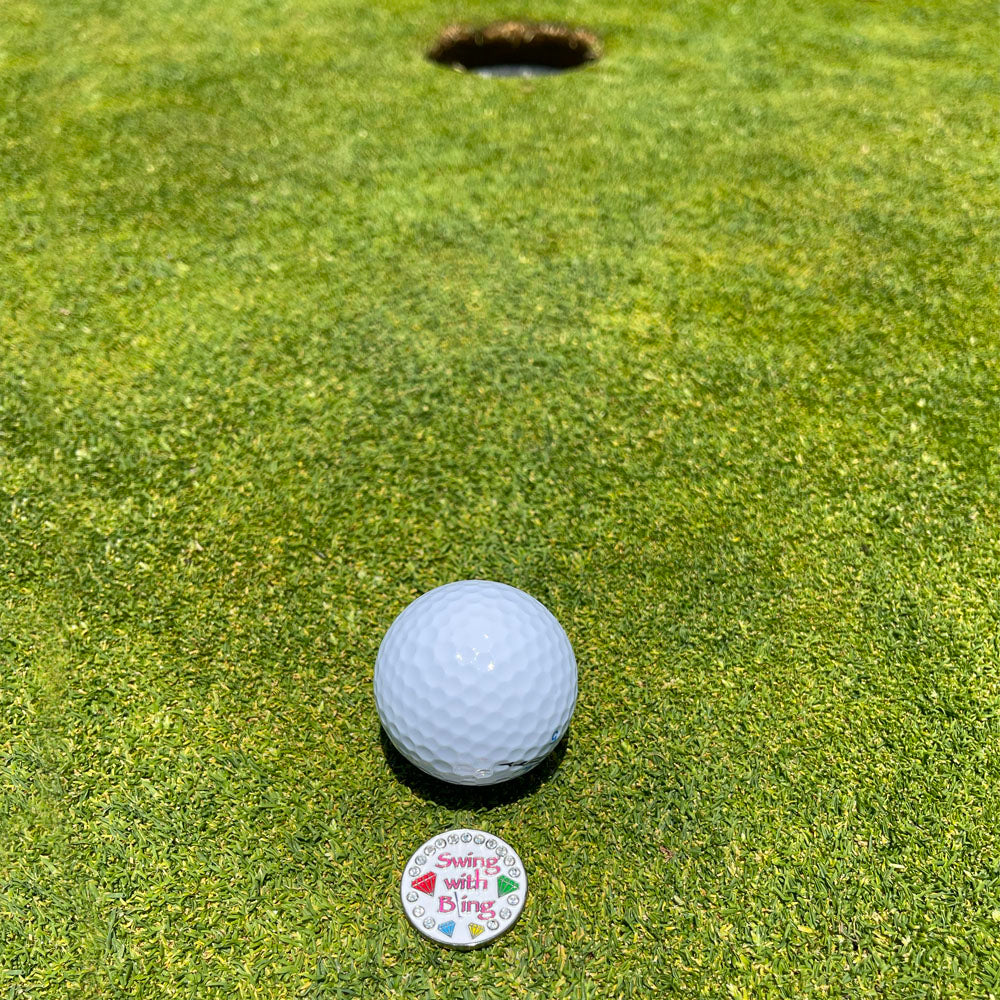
point(450, 796)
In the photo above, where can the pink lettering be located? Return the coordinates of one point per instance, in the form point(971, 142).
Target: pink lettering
point(490, 866)
point(471, 881)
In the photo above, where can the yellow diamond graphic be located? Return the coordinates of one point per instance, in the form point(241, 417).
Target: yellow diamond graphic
point(476, 929)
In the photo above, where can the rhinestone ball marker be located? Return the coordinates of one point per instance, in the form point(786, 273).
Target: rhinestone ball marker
point(475, 682)
point(463, 888)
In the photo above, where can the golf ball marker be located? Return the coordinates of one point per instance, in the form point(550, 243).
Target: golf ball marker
point(463, 888)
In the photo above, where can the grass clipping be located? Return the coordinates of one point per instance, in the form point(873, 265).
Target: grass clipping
point(516, 43)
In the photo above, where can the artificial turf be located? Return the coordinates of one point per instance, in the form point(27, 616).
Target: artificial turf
point(698, 345)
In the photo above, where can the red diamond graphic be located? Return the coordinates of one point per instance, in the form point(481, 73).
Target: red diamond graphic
point(425, 883)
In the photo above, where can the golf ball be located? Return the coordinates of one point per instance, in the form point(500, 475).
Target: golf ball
point(475, 682)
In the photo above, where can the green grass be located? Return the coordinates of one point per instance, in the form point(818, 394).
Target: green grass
point(699, 346)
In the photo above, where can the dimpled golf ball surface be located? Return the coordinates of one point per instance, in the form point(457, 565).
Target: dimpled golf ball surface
point(475, 682)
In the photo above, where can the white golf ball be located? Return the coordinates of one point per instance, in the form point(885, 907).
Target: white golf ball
point(475, 682)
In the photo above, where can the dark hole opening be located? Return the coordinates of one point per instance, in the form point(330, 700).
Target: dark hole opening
point(512, 44)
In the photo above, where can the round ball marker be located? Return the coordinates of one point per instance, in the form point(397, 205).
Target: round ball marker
point(463, 888)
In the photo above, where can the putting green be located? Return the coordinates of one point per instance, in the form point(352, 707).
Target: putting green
point(697, 344)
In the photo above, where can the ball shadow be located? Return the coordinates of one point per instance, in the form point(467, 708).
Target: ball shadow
point(442, 793)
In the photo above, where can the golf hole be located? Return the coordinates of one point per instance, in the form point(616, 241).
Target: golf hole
point(515, 48)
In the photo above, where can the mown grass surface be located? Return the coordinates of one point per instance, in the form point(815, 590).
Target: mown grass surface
point(699, 346)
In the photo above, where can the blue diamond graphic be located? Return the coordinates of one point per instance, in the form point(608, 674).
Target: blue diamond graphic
point(448, 927)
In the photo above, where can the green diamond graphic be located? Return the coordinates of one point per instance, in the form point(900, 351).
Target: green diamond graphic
point(505, 885)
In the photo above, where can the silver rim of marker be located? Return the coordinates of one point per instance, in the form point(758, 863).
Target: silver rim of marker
point(463, 888)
